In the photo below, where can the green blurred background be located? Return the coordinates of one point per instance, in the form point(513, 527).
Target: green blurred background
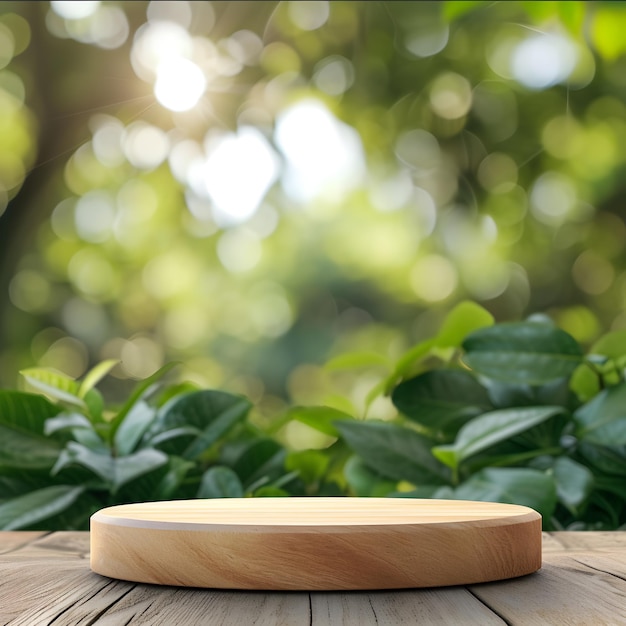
point(253, 188)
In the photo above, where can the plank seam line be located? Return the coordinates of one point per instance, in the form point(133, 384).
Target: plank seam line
point(598, 569)
point(107, 608)
point(310, 610)
point(369, 599)
point(496, 613)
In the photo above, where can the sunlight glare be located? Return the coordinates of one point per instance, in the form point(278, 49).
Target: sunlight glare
point(179, 85)
point(324, 155)
point(236, 175)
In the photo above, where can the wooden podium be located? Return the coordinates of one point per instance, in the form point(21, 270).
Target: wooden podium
point(315, 543)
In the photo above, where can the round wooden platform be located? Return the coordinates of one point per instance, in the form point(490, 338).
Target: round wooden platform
point(315, 543)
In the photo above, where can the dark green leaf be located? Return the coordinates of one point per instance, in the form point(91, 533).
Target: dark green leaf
point(211, 413)
point(524, 486)
point(364, 481)
point(113, 471)
point(132, 428)
point(574, 482)
point(22, 441)
point(441, 400)
point(27, 510)
point(259, 459)
point(522, 352)
point(310, 465)
point(491, 428)
point(394, 451)
point(608, 459)
point(603, 419)
point(220, 482)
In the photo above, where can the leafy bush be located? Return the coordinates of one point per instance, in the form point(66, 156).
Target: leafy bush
point(63, 458)
point(512, 412)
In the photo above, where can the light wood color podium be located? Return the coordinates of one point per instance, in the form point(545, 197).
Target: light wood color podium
point(315, 543)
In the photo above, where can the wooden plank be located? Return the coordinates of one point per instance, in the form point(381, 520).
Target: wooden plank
point(564, 592)
point(453, 605)
point(11, 540)
point(595, 541)
point(58, 545)
point(164, 606)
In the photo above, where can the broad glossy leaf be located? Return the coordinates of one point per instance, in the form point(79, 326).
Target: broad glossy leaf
point(320, 418)
point(30, 509)
point(574, 482)
point(113, 471)
point(465, 318)
point(143, 389)
point(490, 429)
point(504, 395)
point(364, 481)
point(220, 482)
point(522, 352)
point(55, 385)
point(441, 400)
point(169, 485)
point(310, 465)
point(211, 413)
point(66, 421)
point(603, 419)
point(394, 451)
point(132, 428)
point(259, 459)
point(512, 485)
point(22, 441)
point(608, 459)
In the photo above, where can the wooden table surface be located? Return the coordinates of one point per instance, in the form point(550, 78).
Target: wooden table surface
point(45, 579)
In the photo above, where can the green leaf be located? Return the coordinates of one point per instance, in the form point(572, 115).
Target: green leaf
point(65, 421)
point(259, 460)
point(95, 375)
point(132, 428)
point(393, 451)
point(141, 390)
point(491, 428)
point(574, 482)
point(114, 471)
point(57, 386)
point(441, 400)
point(320, 418)
point(27, 510)
point(464, 319)
point(170, 483)
point(22, 441)
point(310, 465)
point(210, 413)
point(220, 482)
point(364, 481)
point(522, 352)
point(512, 485)
point(608, 459)
point(603, 419)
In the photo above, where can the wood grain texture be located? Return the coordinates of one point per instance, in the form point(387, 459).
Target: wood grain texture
point(315, 543)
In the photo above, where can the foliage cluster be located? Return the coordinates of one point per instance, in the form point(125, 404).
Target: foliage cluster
point(509, 412)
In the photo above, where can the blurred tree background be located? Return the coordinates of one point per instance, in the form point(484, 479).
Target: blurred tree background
point(256, 187)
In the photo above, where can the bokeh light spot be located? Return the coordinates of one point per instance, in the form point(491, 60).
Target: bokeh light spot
point(75, 9)
point(179, 85)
